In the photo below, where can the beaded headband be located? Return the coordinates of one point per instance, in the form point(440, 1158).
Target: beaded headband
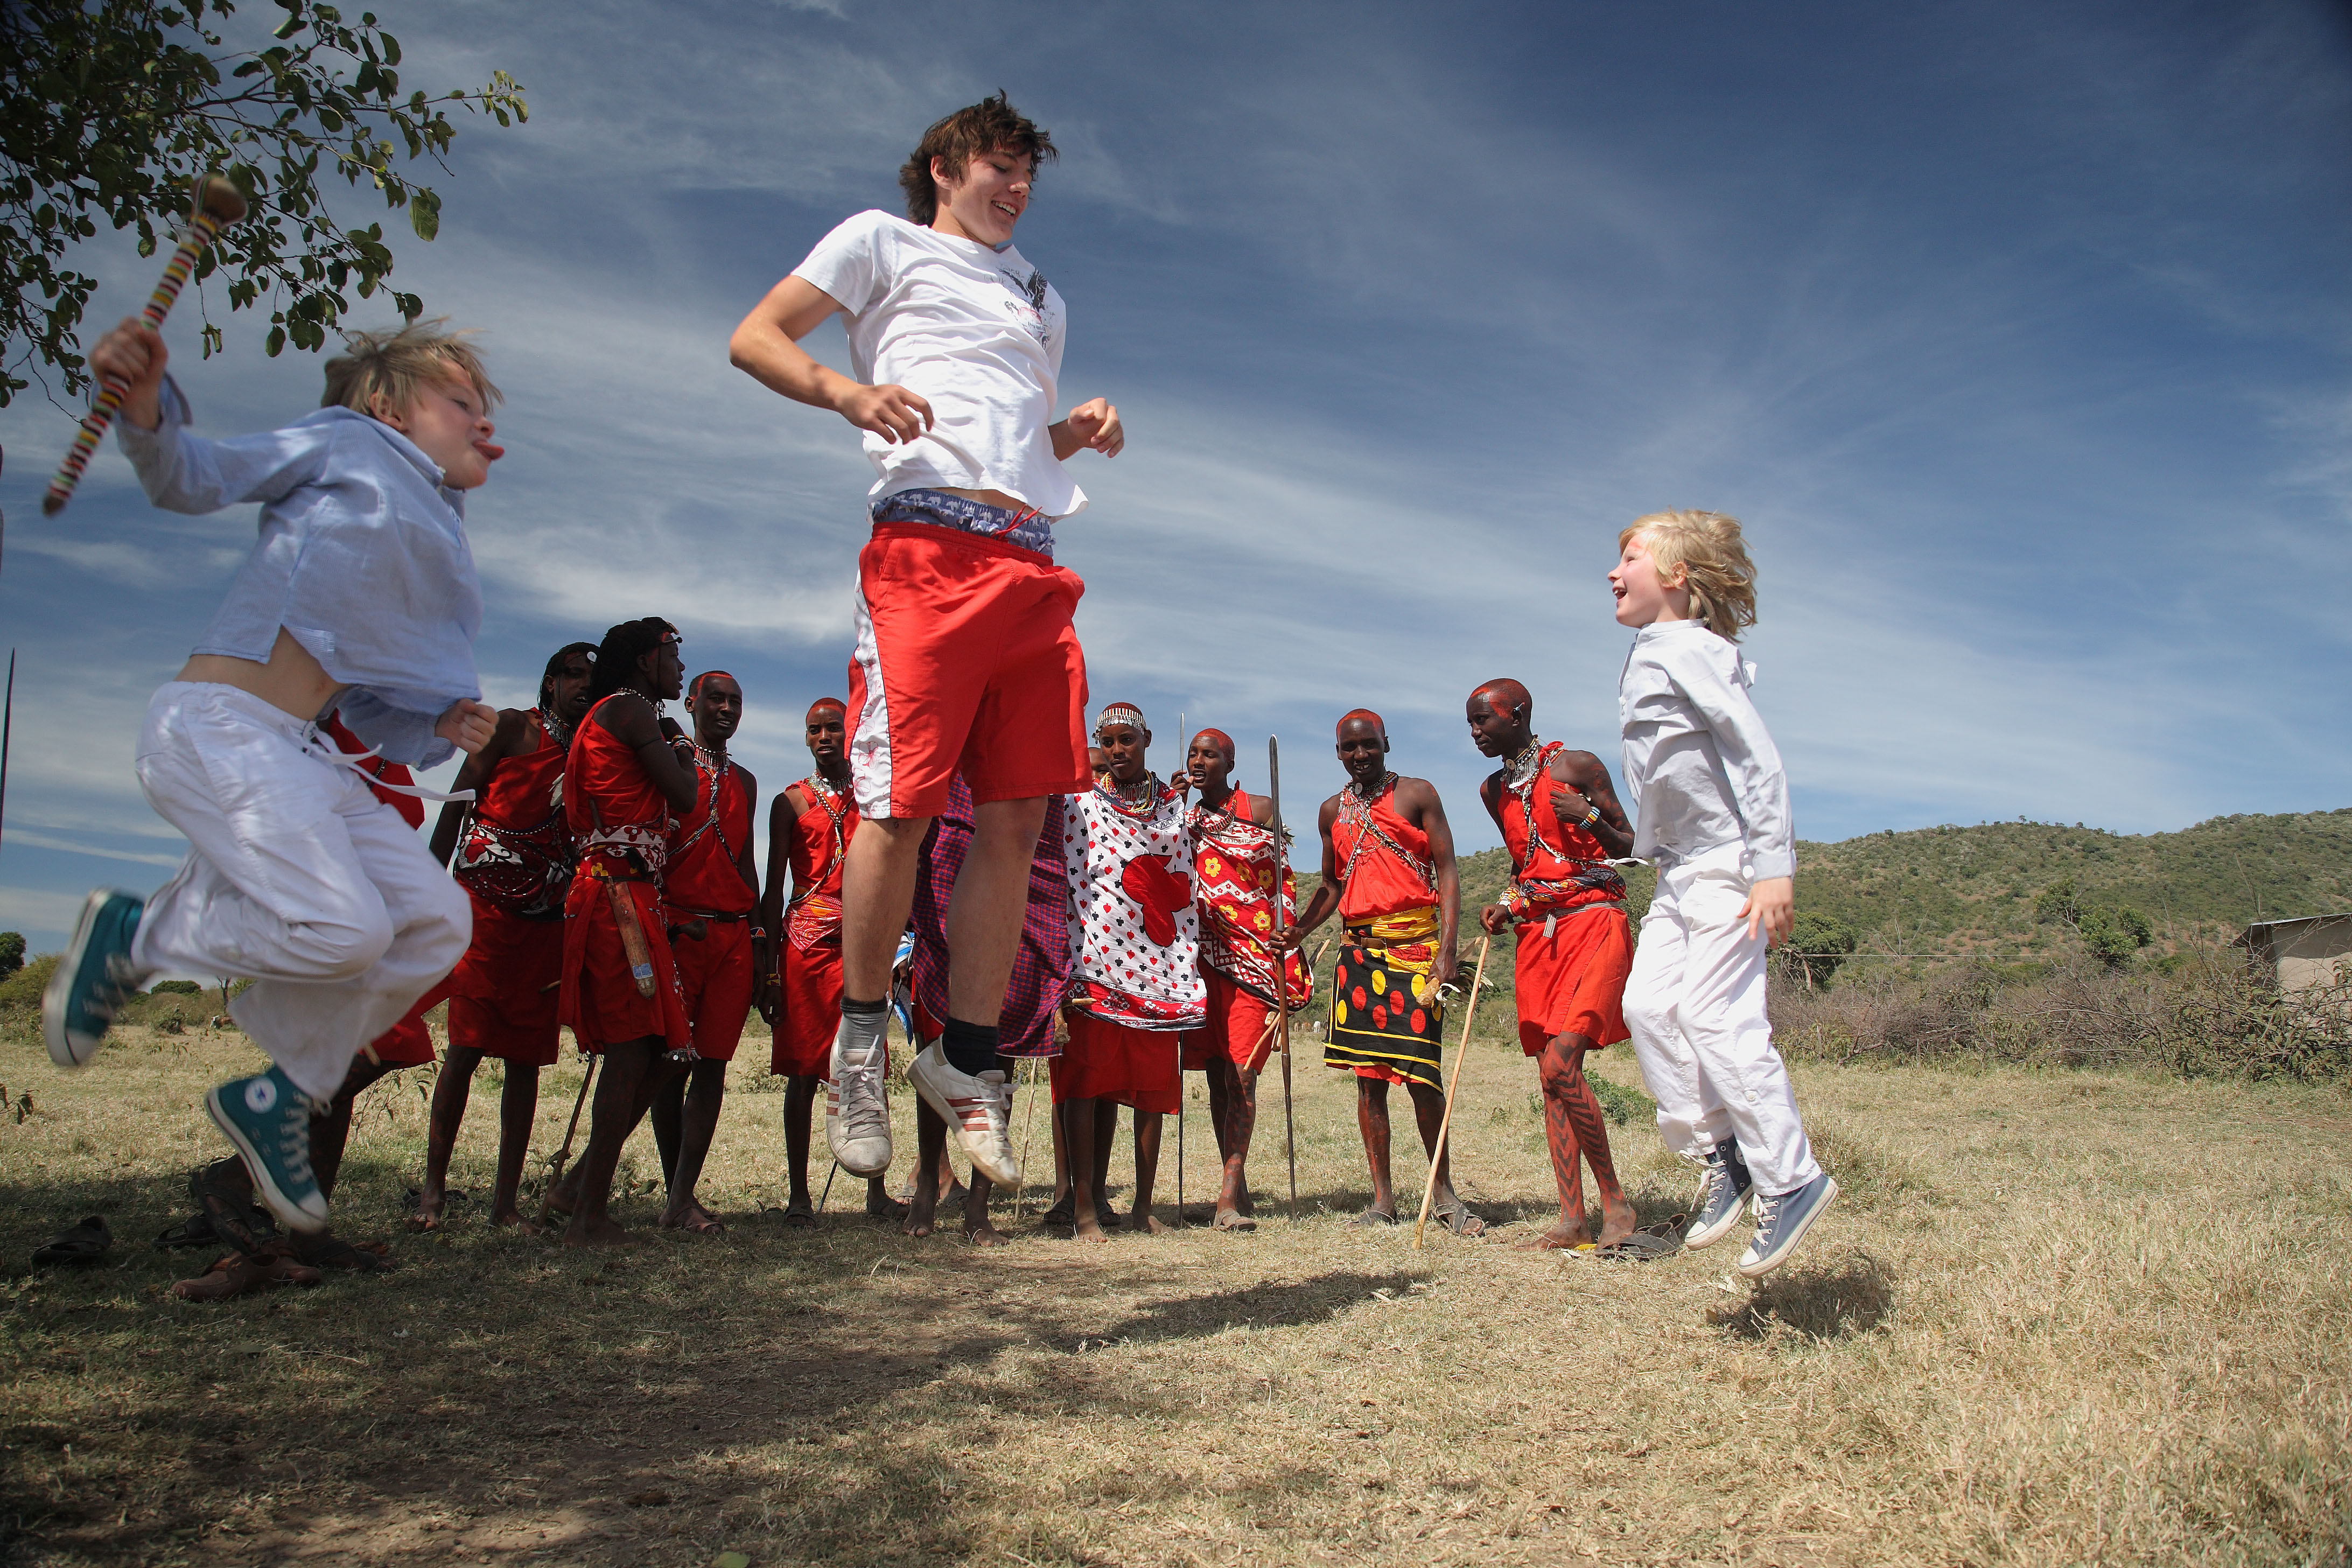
point(1120, 713)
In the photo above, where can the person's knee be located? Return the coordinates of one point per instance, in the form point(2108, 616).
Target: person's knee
point(1649, 1011)
point(346, 944)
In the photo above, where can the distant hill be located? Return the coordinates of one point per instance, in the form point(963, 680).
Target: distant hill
point(1971, 889)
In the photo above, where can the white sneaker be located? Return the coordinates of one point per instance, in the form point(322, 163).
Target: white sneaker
point(978, 1110)
point(856, 1111)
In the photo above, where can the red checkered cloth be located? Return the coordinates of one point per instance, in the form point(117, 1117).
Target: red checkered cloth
point(1041, 970)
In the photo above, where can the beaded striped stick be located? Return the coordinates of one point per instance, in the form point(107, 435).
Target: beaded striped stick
point(217, 204)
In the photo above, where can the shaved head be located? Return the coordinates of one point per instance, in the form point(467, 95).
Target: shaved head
point(1508, 694)
point(823, 703)
point(1219, 739)
point(1361, 716)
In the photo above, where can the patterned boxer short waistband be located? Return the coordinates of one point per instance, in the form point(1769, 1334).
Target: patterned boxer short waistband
point(1028, 529)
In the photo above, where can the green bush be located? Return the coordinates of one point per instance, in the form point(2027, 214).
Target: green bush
point(176, 988)
point(12, 953)
point(24, 988)
point(1817, 945)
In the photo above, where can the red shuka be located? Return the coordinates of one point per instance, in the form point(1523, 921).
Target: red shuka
point(808, 1010)
point(1374, 879)
point(621, 823)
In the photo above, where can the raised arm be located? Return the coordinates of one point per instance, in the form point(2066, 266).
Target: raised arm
point(1586, 797)
point(185, 473)
point(632, 724)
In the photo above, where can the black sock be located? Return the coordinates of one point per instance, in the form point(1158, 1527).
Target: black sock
point(863, 1024)
point(862, 1009)
point(969, 1047)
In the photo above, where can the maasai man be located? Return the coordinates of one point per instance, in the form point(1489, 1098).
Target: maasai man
point(224, 1190)
point(1235, 868)
point(1032, 997)
point(710, 902)
point(1136, 978)
point(1561, 823)
point(630, 768)
point(1388, 868)
point(967, 660)
point(810, 826)
point(513, 858)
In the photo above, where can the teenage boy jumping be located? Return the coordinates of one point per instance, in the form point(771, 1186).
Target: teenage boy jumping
point(966, 659)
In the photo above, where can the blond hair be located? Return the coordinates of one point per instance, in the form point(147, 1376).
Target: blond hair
point(397, 365)
point(1708, 549)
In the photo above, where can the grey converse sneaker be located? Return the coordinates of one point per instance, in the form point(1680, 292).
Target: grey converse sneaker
point(1782, 1222)
point(1723, 1190)
point(977, 1109)
point(857, 1114)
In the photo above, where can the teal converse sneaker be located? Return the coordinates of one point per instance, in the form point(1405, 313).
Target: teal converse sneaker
point(93, 979)
point(268, 1119)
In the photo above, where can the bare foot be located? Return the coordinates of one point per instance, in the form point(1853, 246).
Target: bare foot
point(800, 1216)
point(514, 1218)
point(1141, 1220)
point(921, 1212)
point(584, 1232)
point(564, 1197)
point(430, 1204)
point(978, 1231)
point(1617, 1221)
point(692, 1218)
point(1089, 1229)
point(1565, 1236)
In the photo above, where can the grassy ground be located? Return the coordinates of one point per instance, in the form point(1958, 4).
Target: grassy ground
point(2058, 1318)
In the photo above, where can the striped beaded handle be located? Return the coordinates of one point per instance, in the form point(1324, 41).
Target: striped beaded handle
point(217, 204)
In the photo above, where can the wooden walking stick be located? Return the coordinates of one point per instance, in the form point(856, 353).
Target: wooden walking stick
point(1437, 1156)
point(213, 205)
point(1028, 1119)
point(1282, 963)
point(564, 1155)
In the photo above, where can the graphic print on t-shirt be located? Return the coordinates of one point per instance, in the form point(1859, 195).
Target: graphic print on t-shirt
point(1033, 288)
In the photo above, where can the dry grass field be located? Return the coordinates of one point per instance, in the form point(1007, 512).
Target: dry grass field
point(2058, 1318)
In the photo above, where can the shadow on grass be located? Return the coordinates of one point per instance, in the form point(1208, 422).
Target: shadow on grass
point(1823, 1304)
point(803, 1397)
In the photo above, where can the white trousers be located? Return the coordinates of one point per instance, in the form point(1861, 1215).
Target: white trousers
point(298, 877)
point(1695, 1006)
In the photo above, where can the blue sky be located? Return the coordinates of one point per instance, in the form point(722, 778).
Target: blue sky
point(2021, 338)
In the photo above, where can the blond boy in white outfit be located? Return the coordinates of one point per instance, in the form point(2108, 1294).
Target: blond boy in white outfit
point(359, 598)
point(1711, 810)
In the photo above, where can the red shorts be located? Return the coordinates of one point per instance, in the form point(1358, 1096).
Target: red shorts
point(1236, 1029)
point(600, 1001)
point(504, 993)
point(409, 1044)
point(1113, 1061)
point(1574, 982)
point(716, 977)
point(966, 662)
point(808, 1012)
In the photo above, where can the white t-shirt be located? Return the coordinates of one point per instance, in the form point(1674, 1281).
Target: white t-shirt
point(977, 333)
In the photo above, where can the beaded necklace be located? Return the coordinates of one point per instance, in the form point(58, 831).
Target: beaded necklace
point(1142, 800)
point(557, 729)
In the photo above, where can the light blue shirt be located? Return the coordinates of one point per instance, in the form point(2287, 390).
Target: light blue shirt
point(1700, 768)
point(363, 559)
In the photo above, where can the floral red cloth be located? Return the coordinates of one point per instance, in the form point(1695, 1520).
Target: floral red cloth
point(1233, 880)
point(1134, 930)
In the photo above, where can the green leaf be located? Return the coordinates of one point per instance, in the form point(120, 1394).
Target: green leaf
point(424, 215)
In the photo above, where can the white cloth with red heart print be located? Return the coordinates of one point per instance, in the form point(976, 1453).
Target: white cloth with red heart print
point(1135, 935)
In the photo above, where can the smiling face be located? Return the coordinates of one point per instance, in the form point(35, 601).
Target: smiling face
point(1124, 747)
point(717, 709)
point(1641, 597)
point(570, 688)
point(987, 199)
point(1363, 750)
point(450, 424)
point(1208, 763)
